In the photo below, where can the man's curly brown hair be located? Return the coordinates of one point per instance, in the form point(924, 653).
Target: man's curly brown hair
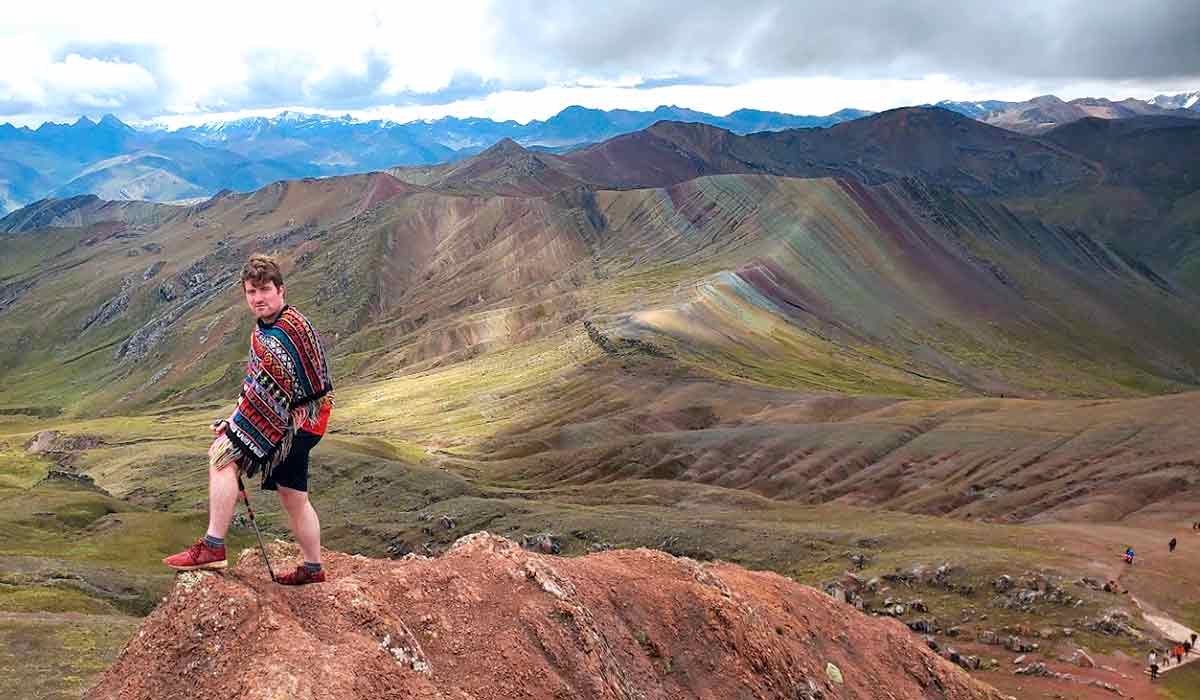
point(261, 269)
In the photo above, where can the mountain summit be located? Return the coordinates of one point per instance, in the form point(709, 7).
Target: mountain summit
point(489, 620)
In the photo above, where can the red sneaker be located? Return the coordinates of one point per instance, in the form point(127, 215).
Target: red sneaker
point(198, 556)
point(300, 576)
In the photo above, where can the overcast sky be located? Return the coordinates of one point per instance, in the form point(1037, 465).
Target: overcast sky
point(527, 60)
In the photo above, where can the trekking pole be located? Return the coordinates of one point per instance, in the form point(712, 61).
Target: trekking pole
point(261, 546)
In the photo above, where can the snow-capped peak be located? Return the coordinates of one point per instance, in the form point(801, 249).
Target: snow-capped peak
point(1186, 100)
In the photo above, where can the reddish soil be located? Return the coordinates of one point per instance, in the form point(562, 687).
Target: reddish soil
point(489, 620)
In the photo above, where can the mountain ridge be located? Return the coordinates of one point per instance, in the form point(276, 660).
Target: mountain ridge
point(35, 163)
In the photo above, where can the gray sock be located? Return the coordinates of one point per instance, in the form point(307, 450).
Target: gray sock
point(312, 567)
point(214, 542)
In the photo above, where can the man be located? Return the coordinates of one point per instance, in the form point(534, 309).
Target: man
point(1171, 544)
point(280, 416)
point(1153, 663)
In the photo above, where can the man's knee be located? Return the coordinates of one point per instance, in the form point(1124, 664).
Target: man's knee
point(292, 499)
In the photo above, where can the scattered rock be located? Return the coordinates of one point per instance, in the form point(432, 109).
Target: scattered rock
point(1080, 658)
point(107, 312)
point(1113, 623)
point(1016, 644)
point(834, 673)
point(543, 543)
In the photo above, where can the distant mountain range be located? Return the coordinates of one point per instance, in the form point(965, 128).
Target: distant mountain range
point(116, 161)
point(1046, 112)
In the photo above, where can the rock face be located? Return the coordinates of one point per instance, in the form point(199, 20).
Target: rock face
point(490, 620)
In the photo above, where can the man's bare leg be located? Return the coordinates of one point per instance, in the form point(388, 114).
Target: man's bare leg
point(302, 519)
point(222, 497)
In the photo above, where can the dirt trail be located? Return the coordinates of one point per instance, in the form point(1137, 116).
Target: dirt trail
point(1171, 629)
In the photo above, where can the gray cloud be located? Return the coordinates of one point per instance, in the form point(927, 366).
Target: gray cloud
point(277, 80)
point(463, 86)
point(349, 89)
point(705, 42)
point(968, 39)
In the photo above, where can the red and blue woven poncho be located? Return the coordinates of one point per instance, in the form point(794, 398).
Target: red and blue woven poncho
point(287, 387)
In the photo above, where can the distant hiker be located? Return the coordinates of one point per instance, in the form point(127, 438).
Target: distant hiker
point(280, 416)
point(1177, 652)
point(1194, 641)
point(1129, 555)
point(1187, 647)
point(1171, 544)
point(1153, 663)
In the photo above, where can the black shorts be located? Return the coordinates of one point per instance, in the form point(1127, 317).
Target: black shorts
point(292, 472)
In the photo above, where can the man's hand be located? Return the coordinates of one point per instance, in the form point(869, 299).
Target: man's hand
point(218, 426)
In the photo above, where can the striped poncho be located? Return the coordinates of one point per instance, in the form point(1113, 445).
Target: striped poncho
point(286, 381)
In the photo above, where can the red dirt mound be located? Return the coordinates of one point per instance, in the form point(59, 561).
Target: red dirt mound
point(489, 620)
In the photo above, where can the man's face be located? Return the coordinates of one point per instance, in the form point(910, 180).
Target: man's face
point(264, 300)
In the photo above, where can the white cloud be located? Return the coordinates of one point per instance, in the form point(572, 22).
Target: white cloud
point(208, 55)
point(96, 83)
point(145, 60)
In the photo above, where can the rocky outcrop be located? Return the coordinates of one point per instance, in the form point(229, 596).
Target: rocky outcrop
point(52, 442)
point(490, 620)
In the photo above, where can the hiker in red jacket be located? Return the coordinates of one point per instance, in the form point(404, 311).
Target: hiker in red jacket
point(281, 414)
